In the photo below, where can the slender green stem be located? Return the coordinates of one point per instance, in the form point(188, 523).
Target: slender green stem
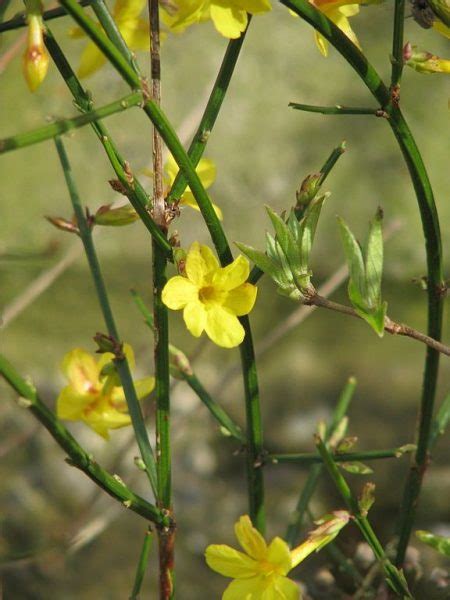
point(212, 109)
point(342, 405)
point(308, 458)
point(431, 230)
point(130, 184)
point(180, 364)
point(397, 44)
point(336, 153)
point(335, 110)
point(19, 21)
point(63, 125)
point(112, 31)
point(123, 369)
point(78, 457)
point(142, 565)
point(394, 577)
point(221, 416)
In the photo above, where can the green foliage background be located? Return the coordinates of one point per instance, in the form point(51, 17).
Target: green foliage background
point(262, 150)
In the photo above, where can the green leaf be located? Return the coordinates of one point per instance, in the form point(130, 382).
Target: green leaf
point(294, 226)
point(307, 230)
point(261, 260)
point(438, 542)
point(374, 260)
point(441, 420)
point(357, 284)
point(286, 240)
point(375, 318)
point(356, 467)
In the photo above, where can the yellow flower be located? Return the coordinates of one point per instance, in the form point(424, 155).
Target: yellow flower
point(442, 28)
point(134, 30)
point(337, 11)
point(212, 297)
point(229, 16)
point(35, 58)
point(423, 61)
point(205, 169)
point(259, 573)
point(94, 394)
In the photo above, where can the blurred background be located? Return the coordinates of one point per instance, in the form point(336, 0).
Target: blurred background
point(60, 537)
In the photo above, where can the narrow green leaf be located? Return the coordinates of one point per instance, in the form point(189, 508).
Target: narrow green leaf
point(356, 467)
point(307, 229)
point(441, 420)
point(261, 260)
point(438, 542)
point(374, 260)
point(357, 283)
point(294, 225)
point(286, 240)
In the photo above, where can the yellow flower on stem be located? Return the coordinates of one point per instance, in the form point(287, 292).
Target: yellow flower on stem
point(259, 573)
point(35, 58)
point(94, 394)
point(230, 17)
point(212, 297)
point(134, 29)
point(206, 170)
point(337, 11)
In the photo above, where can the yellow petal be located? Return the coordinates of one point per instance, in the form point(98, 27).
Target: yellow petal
point(187, 199)
point(200, 264)
point(441, 28)
point(128, 9)
point(178, 292)
point(81, 370)
point(206, 170)
point(194, 316)
point(137, 35)
point(143, 388)
point(322, 43)
point(223, 328)
point(70, 405)
point(349, 10)
point(286, 589)
point(341, 21)
point(230, 21)
point(171, 168)
point(279, 555)
point(241, 300)
point(102, 421)
point(230, 562)
point(254, 7)
point(252, 588)
point(250, 539)
point(91, 60)
point(233, 275)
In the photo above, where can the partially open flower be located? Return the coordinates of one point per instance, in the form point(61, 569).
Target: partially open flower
point(94, 394)
point(35, 58)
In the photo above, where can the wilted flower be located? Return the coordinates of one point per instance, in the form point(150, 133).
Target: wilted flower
point(259, 573)
point(94, 394)
point(212, 297)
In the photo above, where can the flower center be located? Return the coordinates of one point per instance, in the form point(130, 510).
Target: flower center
point(211, 294)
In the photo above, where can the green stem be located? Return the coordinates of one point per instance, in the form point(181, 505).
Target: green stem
point(397, 44)
point(212, 109)
point(134, 190)
point(431, 230)
point(112, 31)
point(180, 362)
point(336, 153)
point(342, 405)
point(123, 368)
point(142, 565)
point(78, 457)
point(63, 125)
point(20, 20)
point(335, 110)
point(308, 458)
point(393, 576)
point(221, 416)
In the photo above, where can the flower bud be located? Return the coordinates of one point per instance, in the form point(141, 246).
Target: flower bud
point(115, 217)
point(308, 189)
point(35, 58)
point(423, 61)
point(63, 224)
